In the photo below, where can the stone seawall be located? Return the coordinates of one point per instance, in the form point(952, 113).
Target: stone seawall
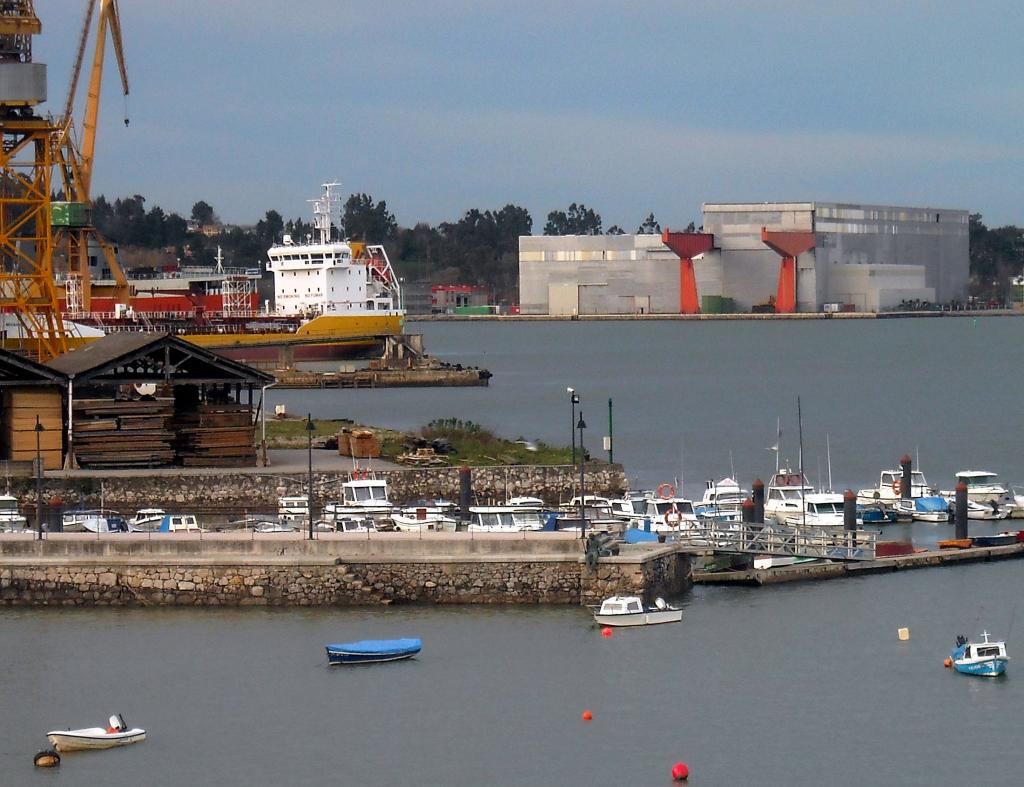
point(279, 574)
point(258, 491)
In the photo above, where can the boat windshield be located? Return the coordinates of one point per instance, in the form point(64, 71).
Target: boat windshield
point(682, 506)
point(979, 480)
point(826, 508)
point(363, 494)
point(987, 651)
point(497, 519)
point(8, 505)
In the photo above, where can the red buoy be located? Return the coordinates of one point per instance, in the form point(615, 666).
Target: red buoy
point(947, 662)
point(680, 772)
point(606, 632)
point(587, 715)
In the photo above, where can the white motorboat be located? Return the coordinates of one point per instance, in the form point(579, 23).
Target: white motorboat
point(11, 519)
point(722, 500)
point(361, 496)
point(631, 507)
point(928, 508)
point(146, 520)
point(503, 519)
point(98, 520)
point(986, 511)
point(421, 520)
point(670, 514)
point(784, 495)
point(820, 509)
point(983, 486)
point(293, 509)
point(1017, 512)
point(889, 487)
point(631, 611)
point(116, 734)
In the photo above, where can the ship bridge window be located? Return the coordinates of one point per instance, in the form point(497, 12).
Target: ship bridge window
point(369, 306)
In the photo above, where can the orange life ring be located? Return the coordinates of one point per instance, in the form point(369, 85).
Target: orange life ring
point(665, 491)
point(673, 517)
point(897, 485)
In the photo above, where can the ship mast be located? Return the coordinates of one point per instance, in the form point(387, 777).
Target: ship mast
point(323, 212)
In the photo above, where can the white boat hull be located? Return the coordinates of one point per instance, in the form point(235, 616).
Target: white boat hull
point(93, 738)
point(640, 618)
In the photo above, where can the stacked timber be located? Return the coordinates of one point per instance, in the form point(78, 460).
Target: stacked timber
point(109, 433)
point(215, 435)
point(18, 433)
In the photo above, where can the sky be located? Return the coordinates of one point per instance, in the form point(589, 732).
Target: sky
point(627, 107)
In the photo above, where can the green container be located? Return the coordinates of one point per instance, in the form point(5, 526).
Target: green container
point(70, 214)
point(711, 304)
point(474, 310)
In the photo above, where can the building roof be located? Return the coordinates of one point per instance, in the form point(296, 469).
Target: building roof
point(123, 358)
point(18, 371)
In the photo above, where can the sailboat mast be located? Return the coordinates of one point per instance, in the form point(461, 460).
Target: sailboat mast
point(800, 434)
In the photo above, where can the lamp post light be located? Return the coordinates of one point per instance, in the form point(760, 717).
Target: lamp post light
point(581, 425)
point(39, 480)
point(310, 428)
point(574, 399)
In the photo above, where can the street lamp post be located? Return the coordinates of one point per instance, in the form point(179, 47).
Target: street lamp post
point(574, 399)
point(39, 480)
point(309, 498)
point(581, 425)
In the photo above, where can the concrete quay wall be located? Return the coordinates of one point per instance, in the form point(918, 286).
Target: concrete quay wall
point(233, 491)
point(320, 573)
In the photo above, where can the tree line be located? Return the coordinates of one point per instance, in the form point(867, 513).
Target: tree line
point(481, 247)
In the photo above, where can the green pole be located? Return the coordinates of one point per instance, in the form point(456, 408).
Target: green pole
point(611, 434)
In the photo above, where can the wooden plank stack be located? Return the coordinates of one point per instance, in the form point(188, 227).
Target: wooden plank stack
point(109, 433)
point(215, 435)
point(18, 432)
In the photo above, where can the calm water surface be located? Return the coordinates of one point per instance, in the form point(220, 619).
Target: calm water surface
point(696, 399)
point(799, 685)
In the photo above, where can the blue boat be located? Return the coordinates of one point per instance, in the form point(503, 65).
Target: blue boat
point(876, 514)
point(985, 659)
point(371, 651)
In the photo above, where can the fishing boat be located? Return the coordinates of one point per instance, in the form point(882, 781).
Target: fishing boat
point(332, 299)
point(986, 659)
point(631, 611)
point(117, 733)
point(361, 496)
point(1003, 539)
point(371, 651)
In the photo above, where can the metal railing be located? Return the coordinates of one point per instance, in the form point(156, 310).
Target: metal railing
point(783, 541)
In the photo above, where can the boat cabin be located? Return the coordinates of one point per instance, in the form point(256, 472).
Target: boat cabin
point(179, 523)
point(504, 518)
point(621, 605)
point(365, 492)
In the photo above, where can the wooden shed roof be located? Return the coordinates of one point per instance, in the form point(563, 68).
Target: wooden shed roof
point(16, 370)
point(125, 358)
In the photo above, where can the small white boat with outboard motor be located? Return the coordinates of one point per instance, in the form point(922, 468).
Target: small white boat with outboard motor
point(117, 733)
point(631, 611)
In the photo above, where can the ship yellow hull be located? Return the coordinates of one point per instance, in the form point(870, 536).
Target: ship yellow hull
point(326, 337)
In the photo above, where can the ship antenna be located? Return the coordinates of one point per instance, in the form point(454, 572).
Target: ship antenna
point(323, 212)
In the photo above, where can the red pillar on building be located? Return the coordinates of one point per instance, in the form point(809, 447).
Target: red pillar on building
point(789, 245)
point(688, 245)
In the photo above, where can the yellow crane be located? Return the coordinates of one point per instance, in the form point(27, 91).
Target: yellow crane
point(28, 296)
point(75, 234)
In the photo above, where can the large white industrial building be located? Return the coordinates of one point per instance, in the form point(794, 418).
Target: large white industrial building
point(864, 257)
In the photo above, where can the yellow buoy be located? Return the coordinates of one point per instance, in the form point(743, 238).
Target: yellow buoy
point(904, 634)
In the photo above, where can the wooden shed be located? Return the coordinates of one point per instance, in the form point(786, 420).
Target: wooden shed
point(27, 390)
point(153, 400)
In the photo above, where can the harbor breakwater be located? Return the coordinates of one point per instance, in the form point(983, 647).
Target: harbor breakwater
point(340, 571)
point(231, 491)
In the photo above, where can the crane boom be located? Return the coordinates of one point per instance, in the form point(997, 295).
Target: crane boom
point(108, 18)
point(69, 104)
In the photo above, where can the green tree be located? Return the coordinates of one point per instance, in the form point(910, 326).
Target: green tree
point(578, 220)
point(368, 221)
point(615, 229)
point(202, 213)
point(269, 228)
point(649, 226)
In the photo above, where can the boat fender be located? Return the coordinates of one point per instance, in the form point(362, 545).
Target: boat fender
point(665, 491)
point(48, 758)
point(947, 662)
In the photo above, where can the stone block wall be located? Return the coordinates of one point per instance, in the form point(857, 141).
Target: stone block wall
point(235, 492)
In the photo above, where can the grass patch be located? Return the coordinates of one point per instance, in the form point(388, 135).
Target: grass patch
point(473, 444)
